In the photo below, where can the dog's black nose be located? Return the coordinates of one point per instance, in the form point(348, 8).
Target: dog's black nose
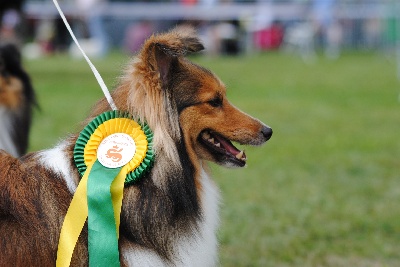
point(267, 132)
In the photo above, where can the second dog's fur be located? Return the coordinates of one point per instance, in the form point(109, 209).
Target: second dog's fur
point(169, 217)
point(17, 99)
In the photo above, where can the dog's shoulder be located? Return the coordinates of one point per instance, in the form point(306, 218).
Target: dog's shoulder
point(33, 202)
point(59, 160)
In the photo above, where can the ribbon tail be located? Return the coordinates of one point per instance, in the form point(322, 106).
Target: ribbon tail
point(73, 223)
point(102, 230)
point(117, 190)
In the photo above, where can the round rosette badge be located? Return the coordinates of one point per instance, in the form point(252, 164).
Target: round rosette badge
point(116, 150)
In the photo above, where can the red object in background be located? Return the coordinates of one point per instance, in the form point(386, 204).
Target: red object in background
point(189, 2)
point(269, 38)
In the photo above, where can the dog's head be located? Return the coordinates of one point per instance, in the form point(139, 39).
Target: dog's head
point(189, 101)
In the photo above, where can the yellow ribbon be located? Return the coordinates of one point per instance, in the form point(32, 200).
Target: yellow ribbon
point(73, 223)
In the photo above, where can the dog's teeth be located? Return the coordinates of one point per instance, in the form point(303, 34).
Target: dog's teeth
point(239, 155)
point(211, 140)
point(206, 135)
point(217, 144)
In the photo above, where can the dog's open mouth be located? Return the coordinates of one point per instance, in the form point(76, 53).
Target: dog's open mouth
point(221, 146)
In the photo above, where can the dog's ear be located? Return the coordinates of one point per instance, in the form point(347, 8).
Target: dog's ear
point(179, 42)
point(164, 51)
point(10, 60)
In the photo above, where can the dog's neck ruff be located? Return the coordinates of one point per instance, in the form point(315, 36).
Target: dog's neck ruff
point(112, 150)
point(196, 249)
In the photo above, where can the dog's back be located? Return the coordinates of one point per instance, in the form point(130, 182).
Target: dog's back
point(17, 99)
point(30, 205)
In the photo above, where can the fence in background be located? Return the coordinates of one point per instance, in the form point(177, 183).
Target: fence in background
point(263, 25)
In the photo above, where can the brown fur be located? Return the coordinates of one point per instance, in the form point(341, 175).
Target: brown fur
point(179, 100)
point(31, 213)
point(11, 92)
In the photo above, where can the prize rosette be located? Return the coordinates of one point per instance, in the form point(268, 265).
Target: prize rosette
point(109, 123)
point(112, 151)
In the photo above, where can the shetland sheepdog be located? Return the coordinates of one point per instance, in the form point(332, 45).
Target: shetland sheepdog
point(17, 99)
point(170, 216)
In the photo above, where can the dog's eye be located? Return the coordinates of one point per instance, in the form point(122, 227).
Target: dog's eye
point(216, 102)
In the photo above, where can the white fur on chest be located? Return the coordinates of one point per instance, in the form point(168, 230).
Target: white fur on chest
point(198, 250)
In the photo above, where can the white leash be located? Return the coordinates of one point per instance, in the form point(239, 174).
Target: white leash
point(95, 72)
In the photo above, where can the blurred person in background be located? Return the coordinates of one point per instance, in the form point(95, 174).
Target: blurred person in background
point(327, 28)
point(10, 21)
point(92, 16)
point(136, 33)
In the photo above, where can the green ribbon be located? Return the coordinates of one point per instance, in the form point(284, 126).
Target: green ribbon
point(102, 231)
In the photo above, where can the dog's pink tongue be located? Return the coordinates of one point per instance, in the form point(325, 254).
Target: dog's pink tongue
point(229, 147)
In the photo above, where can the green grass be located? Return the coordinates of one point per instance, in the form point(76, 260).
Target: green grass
point(324, 191)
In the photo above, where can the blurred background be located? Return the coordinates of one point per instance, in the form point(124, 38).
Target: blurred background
point(324, 74)
point(228, 27)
